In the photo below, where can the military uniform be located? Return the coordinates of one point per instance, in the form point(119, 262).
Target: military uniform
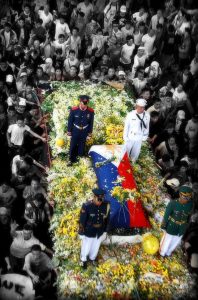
point(93, 223)
point(175, 222)
point(80, 126)
point(136, 130)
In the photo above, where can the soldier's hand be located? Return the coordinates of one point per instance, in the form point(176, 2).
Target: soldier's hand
point(89, 137)
point(81, 236)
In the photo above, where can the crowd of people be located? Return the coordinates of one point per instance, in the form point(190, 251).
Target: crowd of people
point(150, 47)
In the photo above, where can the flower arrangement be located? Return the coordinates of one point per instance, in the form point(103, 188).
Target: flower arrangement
point(122, 195)
point(123, 272)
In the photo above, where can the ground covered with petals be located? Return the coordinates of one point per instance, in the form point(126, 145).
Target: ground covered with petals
point(125, 271)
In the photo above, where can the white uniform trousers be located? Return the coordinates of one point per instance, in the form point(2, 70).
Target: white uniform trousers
point(133, 147)
point(169, 243)
point(90, 247)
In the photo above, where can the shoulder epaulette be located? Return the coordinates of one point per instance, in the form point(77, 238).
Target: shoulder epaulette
point(74, 108)
point(90, 109)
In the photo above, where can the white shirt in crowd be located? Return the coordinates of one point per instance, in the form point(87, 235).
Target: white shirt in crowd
point(61, 29)
point(62, 46)
point(21, 247)
point(179, 97)
point(140, 18)
point(138, 62)
point(155, 21)
point(194, 66)
point(139, 84)
point(126, 32)
point(46, 18)
point(137, 38)
point(39, 3)
point(148, 42)
point(68, 63)
point(126, 53)
point(86, 9)
point(17, 133)
point(7, 38)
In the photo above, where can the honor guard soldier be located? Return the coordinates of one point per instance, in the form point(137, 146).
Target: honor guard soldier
point(136, 129)
point(94, 217)
point(175, 220)
point(80, 126)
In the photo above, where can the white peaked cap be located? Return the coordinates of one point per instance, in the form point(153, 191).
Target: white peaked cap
point(141, 102)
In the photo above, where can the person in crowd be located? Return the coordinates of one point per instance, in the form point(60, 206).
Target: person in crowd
point(39, 267)
point(5, 229)
point(7, 196)
point(23, 240)
point(148, 42)
point(126, 54)
point(191, 131)
point(168, 146)
point(139, 82)
point(16, 132)
point(139, 60)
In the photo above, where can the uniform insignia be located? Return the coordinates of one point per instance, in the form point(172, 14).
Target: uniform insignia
point(82, 211)
point(88, 116)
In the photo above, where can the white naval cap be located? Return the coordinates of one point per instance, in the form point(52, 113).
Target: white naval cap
point(141, 102)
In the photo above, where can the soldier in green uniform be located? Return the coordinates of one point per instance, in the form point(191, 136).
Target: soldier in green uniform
point(175, 220)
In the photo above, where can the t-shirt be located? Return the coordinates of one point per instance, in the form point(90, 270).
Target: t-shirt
point(126, 53)
point(148, 42)
point(41, 264)
point(17, 134)
point(46, 18)
point(138, 18)
point(179, 98)
point(61, 29)
point(86, 9)
point(21, 247)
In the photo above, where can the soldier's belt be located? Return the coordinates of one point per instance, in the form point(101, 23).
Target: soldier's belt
point(177, 222)
point(81, 127)
point(97, 225)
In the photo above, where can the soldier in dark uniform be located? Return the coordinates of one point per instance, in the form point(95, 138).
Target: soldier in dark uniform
point(94, 217)
point(80, 126)
point(176, 220)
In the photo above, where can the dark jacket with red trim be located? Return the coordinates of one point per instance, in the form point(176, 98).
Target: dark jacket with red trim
point(80, 121)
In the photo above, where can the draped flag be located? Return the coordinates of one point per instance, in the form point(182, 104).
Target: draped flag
point(111, 162)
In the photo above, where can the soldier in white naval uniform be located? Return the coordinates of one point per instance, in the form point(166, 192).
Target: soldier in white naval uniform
point(136, 129)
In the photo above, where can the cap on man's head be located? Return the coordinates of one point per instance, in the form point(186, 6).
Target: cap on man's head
point(185, 189)
point(141, 102)
point(98, 192)
point(84, 98)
